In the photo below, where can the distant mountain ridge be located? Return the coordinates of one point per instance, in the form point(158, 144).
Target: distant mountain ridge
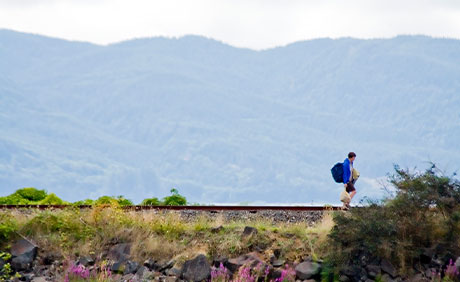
point(222, 124)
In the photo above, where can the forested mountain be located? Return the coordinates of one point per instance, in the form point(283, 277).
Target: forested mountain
point(222, 124)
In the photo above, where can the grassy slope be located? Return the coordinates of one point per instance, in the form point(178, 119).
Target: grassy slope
point(162, 236)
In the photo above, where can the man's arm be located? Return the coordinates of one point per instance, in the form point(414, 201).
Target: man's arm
point(346, 172)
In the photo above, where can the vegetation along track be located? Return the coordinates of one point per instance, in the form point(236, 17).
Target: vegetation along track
point(196, 208)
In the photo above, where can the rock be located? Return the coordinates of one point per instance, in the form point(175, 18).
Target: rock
point(274, 274)
point(128, 277)
point(387, 267)
point(219, 260)
point(131, 267)
point(173, 272)
point(353, 272)
point(26, 276)
point(24, 253)
point(307, 270)
point(197, 269)
point(170, 279)
point(278, 262)
point(248, 231)
point(387, 278)
point(417, 278)
point(85, 261)
point(141, 270)
point(39, 279)
point(430, 273)
point(426, 255)
point(167, 265)
point(118, 267)
point(151, 264)
point(120, 252)
point(373, 270)
point(457, 263)
point(125, 267)
point(144, 274)
point(251, 259)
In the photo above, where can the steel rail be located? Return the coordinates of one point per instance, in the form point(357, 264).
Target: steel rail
point(180, 208)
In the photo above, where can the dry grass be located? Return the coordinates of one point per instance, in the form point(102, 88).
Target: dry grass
point(162, 236)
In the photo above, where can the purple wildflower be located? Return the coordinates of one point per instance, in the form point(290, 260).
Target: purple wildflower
point(451, 270)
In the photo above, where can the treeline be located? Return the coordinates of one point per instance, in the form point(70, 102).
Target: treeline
point(33, 196)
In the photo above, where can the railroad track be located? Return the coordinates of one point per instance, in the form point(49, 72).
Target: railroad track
point(179, 208)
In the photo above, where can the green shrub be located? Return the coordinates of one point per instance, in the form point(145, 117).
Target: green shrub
point(8, 226)
point(51, 199)
point(84, 202)
point(24, 196)
point(31, 194)
point(424, 212)
point(151, 202)
point(118, 201)
point(175, 199)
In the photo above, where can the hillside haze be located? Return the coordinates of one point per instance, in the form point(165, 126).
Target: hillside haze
point(222, 124)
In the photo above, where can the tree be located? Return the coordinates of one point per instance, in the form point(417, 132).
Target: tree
point(175, 199)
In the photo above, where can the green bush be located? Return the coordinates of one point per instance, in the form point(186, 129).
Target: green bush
point(108, 200)
point(424, 212)
point(24, 196)
point(31, 194)
point(175, 199)
point(51, 199)
point(151, 202)
point(8, 226)
point(84, 202)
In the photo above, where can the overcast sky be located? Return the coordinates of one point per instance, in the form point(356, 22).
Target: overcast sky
point(243, 23)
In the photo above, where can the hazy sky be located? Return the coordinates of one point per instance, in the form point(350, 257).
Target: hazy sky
point(255, 24)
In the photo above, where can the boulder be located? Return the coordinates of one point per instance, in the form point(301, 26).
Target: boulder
point(353, 272)
point(131, 267)
point(166, 265)
point(128, 277)
point(144, 274)
point(307, 270)
point(387, 267)
point(373, 270)
point(417, 278)
point(457, 263)
point(387, 278)
point(24, 253)
point(251, 260)
point(125, 267)
point(197, 269)
point(278, 262)
point(85, 261)
point(248, 231)
point(27, 277)
point(151, 264)
point(118, 267)
point(120, 252)
point(39, 279)
point(173, 272)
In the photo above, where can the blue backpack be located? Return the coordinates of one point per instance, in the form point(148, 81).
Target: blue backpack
point(337, 172)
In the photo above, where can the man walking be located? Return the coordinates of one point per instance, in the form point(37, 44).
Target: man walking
point(348, 175)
